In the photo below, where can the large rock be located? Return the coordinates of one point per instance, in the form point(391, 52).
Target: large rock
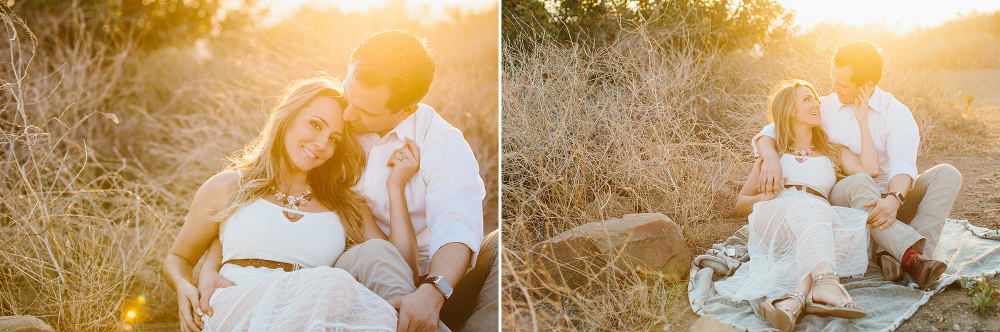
point(23, 324)
point(648, 243)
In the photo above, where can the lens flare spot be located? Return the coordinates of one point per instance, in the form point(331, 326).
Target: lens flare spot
point(141, 298)
point(130, 314)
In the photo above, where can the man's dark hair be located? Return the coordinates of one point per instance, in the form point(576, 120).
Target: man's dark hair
point(397, 59)
point(864, 58)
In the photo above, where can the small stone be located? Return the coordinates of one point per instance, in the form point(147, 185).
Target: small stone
point(934, 328)
point(956, 327)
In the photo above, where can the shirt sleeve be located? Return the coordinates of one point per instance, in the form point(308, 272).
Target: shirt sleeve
point(902, 144)
point(455, 192)
point(767, 131)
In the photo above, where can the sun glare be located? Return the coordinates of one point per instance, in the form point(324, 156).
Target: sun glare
point(897, 15)
point(432, 9)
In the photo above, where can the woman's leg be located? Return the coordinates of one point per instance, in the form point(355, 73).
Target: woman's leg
point(827, 293)
point(791, 304)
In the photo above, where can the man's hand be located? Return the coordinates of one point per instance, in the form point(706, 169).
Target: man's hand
point(187, 304)
point(208, 282)
point(861, 107)
point(770, 180)
point(418, 312)
point(884, 213)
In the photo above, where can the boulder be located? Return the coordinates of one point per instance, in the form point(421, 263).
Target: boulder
point(24, 324)
point(648, 243)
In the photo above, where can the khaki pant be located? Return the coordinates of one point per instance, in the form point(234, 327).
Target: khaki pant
point(919, 221)
point(379, 266)
point(474, 303)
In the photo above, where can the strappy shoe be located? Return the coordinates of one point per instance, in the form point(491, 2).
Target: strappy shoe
point(783, 319)
point(841, 310)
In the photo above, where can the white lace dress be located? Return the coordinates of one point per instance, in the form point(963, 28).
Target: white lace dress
point(794, 232)
point(316, 298)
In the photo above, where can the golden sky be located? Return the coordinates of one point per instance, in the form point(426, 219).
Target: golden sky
point(898, 15)
point(434, 7)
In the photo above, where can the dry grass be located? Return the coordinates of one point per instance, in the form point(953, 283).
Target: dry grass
point(595, 132)
point(103, 146)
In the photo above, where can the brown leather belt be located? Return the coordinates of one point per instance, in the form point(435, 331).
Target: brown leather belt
point(288, 267)
point(806, 189)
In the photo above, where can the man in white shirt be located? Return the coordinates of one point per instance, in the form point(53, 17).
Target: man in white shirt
point(920, 203)
point(389, 73)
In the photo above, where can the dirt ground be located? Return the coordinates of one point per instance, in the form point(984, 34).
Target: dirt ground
point(978, 202)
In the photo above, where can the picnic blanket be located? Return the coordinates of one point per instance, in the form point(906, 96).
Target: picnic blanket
point(968, 250)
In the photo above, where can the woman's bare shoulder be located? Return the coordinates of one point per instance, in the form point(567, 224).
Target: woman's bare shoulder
point(223, 183)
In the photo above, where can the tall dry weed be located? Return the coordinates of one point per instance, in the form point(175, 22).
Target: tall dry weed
point(79, 233)
point(592, 134)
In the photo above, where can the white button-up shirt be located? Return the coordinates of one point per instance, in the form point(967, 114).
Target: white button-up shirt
point(893, 129)
point(445, 196)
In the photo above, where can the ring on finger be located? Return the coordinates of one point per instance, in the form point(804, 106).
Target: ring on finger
point(401, 157)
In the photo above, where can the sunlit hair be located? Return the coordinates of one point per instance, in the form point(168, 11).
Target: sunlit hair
point(864, 59)
point(264, 160)
point(783, 108)
point(397, 59)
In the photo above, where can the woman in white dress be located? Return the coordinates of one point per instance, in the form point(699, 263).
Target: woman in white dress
point(798, 243)
point(284, 204)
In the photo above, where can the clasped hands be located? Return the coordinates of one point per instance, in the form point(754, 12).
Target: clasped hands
point(771, 183)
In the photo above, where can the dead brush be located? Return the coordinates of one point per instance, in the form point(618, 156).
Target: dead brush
point(78, 235)
point(595, 133)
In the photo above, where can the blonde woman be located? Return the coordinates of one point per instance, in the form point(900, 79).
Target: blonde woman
point(284, 212)
point(799, 245)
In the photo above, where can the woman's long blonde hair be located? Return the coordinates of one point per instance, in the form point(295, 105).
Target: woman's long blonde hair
point(262, 160)
point(782, 109)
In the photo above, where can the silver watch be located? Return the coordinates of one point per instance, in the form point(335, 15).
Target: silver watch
point(440, 283)
point(898, 195)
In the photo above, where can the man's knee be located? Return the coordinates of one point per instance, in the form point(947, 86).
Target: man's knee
point(854, 190)
point(370, 252)
point(374, 245)
point(491, 243)
point(859, 179)
point(946, 174)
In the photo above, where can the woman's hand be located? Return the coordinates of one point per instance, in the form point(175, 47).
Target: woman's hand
point(405, 162)
point(861, 107)
point(188, 310)
point(208, 281)
point(768, 195)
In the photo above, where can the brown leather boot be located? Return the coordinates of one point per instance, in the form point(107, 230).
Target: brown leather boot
point(925, 270)
point(891, 268)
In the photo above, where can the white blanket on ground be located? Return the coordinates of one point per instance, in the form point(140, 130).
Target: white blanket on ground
point(968, 250)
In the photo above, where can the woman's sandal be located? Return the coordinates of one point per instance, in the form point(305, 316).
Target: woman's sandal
point(783, 319)
point(840, 310)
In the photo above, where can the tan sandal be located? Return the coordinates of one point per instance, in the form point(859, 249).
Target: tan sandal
point(783, 319)
point(840, 310)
